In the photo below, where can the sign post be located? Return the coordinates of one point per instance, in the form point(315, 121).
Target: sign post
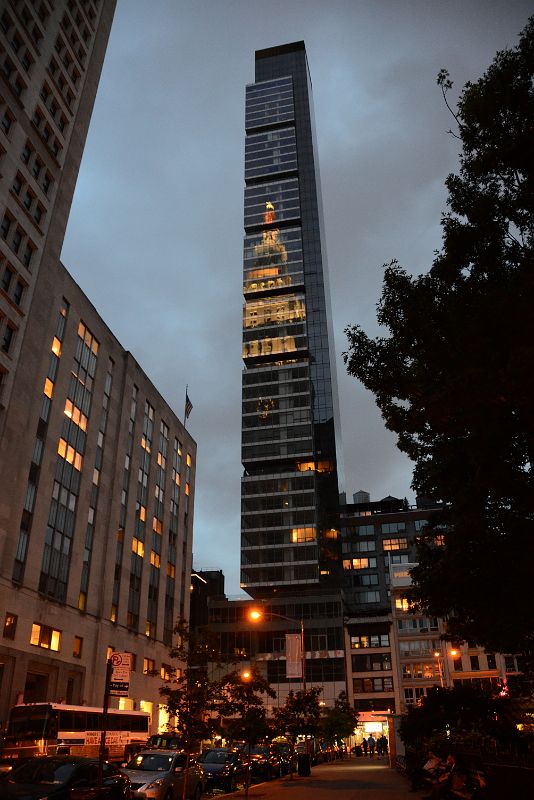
point(117, 684)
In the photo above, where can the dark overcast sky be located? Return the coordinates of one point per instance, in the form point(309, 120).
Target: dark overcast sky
point(155, 233)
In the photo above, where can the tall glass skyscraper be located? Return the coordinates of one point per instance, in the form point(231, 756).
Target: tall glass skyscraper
point(290, 537)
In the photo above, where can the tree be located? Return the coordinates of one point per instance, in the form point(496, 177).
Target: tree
point(338, 722)
point(300, 714)
point(451, 372)
point(242, 705)
point(191, 697)
point(457, 717)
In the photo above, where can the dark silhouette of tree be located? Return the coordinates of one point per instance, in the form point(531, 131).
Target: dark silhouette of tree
point(450, 718)
point(451, 371)
point(242, 705)
point(300, 714)
point(338, 722)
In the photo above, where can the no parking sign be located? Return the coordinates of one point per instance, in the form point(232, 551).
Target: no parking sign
point(121, 664)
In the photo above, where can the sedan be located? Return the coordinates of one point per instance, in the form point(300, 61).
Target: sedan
point(60, 777)
point(159, 775)
point(223, 768)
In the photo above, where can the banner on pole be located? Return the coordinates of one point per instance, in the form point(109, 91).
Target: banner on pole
point(293, 656)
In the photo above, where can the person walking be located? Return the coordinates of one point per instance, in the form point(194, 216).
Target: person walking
point(372, 744)
point(365, 746)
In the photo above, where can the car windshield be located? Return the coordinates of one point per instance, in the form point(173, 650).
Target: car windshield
point(43, 770)
point(260, 750)
point(155, 762)
point(217, 757)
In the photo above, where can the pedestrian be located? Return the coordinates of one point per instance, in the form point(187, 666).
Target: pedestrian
point(364, 745)
point(372, 744)
point(382, 746)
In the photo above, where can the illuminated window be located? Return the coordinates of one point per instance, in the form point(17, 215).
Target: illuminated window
point(43, 636)
point(142, 513)
point(402, 604)
point(170, 569)
point(82, 601)
point(10, 626)
point(145, 705)
point(77, 647)
point(306, 466)
point(399, 543)
point(113, 614)
point(188, 460)
point(149, 666)
point(48, 388)
point(155, 559)
point(56, 346)
point(126, 704)
point(331, 534)
point(165, 672)
point(187, 489)
point(138, 547)
point(303, 535)
point(156, 525)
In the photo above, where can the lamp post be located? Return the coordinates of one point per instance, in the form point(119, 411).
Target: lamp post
point(256, 615)
point(441, 658)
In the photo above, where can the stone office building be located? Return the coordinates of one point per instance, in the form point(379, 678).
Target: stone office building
point(97, 474)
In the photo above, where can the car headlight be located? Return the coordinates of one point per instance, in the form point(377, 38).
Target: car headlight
point(156, 783)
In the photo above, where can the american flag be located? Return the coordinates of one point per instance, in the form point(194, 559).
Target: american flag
point(188, 406)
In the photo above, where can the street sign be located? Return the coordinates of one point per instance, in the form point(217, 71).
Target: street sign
point(121, 664)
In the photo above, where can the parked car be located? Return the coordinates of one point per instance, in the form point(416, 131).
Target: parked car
point(223, 768)
point(53, 778)
point(265, 761)
point(159, 775)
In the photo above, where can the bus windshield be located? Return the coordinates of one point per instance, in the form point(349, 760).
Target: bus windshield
point(26, 722)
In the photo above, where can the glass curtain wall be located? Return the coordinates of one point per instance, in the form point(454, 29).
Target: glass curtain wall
point(290, 536)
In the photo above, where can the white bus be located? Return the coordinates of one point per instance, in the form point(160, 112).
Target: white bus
point(54, 728)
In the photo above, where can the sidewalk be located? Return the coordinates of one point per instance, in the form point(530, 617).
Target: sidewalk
point(350, 779)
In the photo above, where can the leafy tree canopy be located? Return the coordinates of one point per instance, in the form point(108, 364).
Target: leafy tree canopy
point(338, 722)
point(241, 704)
point(190, 696)
point(452, 371)
point(449, 716)
point(300, 714)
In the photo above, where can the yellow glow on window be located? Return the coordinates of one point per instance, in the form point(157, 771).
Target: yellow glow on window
point(303, 535)
point(113, 615)
point(36, 631)
point(62, 448)
point(155, 559)
point(402, 604)
point(126, 704)
point(48, 388)
point(55, 641)
point(144, 444)
point(156, 525)
point(56, 347)
point(188, 460)
point(177, 479)
point(81, 330)
point(138, 547)
point(82, 601)
point(68, 409)
point(145, 705)
point(187, 489)
point(94, 346)
point(331, 534)
point(305, 466)
point(142, 513)
point(171, 570)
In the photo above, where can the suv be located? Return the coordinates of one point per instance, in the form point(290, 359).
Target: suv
point(159, 775)
point(223, 768)
point(265, 761)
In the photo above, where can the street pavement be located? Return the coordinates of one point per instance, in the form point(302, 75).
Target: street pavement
point(350, 779)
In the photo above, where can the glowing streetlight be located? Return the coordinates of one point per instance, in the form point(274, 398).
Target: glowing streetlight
point(440, 657)
point(257, 615)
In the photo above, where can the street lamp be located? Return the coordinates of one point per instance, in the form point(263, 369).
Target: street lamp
point(439, 656)
point(256, 615)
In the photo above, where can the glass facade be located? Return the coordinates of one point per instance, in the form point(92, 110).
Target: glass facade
point(290, 536)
